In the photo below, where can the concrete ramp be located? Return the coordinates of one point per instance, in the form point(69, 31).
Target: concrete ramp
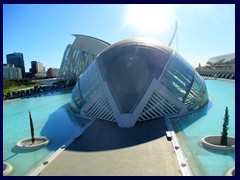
point(104, 149)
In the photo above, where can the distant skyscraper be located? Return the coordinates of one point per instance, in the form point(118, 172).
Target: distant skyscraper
point(17, 60)
point(40, 68)
point(37, 69)
point(33, 67)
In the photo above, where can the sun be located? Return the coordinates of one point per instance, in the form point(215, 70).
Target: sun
point(150, 19)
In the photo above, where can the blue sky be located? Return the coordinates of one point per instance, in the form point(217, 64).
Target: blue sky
point(42, 32)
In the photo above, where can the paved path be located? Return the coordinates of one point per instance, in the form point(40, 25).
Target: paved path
point(104, 149)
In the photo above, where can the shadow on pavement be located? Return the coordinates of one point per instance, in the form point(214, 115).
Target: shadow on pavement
point(103, 135)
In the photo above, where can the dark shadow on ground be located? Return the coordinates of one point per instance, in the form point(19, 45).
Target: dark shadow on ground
point(61, 126)
point(103, 135)
point(191, 118)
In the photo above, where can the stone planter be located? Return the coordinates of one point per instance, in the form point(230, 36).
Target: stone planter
point(7, 169)
point(231, 172)
point(213, 142)
point(26, 144)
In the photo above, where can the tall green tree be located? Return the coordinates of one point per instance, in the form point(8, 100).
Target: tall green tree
point(225, 128)
point(31, 127)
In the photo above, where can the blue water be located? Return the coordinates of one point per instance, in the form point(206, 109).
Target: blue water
point(50, 117)
point(208, 121)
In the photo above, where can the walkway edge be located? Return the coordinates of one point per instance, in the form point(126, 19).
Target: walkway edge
point(182, 160)
point(40, 168)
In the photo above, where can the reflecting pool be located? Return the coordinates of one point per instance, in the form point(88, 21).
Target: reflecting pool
point(208, 121)
point(50, 117)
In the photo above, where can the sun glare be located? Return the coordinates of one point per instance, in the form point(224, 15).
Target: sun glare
point(151, 19)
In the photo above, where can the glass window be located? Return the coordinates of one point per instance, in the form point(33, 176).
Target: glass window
point(76, 98)
point(198, 95)
point(178, 76)
point(129, 70)
point(88, 83)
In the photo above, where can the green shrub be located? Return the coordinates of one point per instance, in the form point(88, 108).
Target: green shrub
point(225, 128)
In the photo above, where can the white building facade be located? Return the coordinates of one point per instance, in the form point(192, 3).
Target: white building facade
point(137, 80)
point(11, 72)
point(79, 55)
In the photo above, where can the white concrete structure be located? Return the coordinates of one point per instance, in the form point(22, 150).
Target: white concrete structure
point(26, 144)
point(7, 169)
point(79, 55)
point(138, 80)
point(226, 58)
point(213, 142)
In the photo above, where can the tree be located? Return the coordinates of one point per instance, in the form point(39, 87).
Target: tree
point(225, 128)
point(31, 127)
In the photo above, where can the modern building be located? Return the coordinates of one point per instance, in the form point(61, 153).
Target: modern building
point(134, 80)
point(53, 72)
point(37, 69)
point(222, 66)
point(33, 69)
point(10, 72)
point(79, 55)
point(222, 60)
point(17, 60)
point(40, 67)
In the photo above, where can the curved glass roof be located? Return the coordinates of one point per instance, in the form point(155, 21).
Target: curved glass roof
point(129, 66)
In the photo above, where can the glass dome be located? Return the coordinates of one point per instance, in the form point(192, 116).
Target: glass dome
point(129, 67)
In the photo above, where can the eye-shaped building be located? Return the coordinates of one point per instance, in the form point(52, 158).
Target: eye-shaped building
point(137, 80)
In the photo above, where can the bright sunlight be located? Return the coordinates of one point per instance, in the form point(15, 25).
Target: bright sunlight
point(151, 19)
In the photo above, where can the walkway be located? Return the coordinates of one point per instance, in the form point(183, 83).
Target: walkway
point(104, 149)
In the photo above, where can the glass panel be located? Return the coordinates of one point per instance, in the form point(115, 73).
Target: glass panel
point(87, 85)
point(129, 70)
point(198, 95)
point(89, 82)
point(74, 63)
point(178, 77)
point(76, 96)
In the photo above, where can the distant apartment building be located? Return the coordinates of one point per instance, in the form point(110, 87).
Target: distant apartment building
point(37, 69)
point(52, 72)
point(17, 60)
point(33, 68)
point(11, 72)
point(40, 67)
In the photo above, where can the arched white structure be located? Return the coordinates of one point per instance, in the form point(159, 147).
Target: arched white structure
point(79, 55)
point(222, 59)
point(138, 80)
